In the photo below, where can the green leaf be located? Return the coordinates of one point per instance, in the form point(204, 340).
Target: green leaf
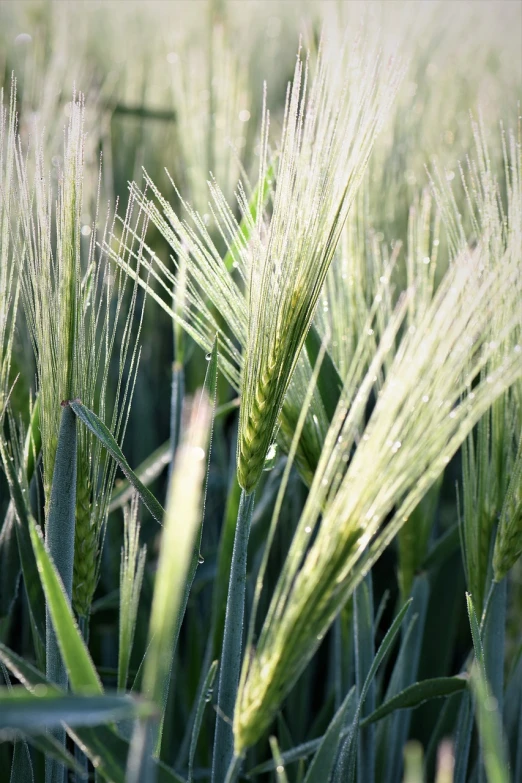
point(329, 381)
point(98, 428)
point(475, 634)
point(59, 535)
point(208, 396)
point(106, 749)
point(179, 550)
point(347, 757)
point(321, 767)
point(9, 563)
point(417, 694)
point(443, 548)
point(80, 668)
point(32, 582)
point(203, 700)
point(52, 749)
point(147, 472)
point(364, 633)
point(21, 766)
point(392, 733)
point(45, 709)
point(490, 730)
point(232, 643)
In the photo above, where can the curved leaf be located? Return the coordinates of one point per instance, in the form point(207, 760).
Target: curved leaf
point(98, 428)
point(80, 668)
point(417, 694)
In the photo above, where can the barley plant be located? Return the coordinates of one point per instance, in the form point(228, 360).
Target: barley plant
point(260, 391)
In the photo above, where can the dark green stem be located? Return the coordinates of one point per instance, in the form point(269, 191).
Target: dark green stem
point(230, 664)
point(59, 536)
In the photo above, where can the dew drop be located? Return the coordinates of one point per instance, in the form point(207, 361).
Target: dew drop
point(201, 559)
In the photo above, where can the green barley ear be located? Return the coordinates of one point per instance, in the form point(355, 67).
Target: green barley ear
point(424, 411)
point(282, 260)
point(328, 133)
point(489, 490)
point(74, 308)
point(9, 285)
point(508, 543)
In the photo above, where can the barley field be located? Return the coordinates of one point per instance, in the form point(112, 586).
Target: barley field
point(260, 391)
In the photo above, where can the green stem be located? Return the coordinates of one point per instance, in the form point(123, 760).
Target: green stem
point(233, 769)
point(230, 664)
point(59, 536)
point(176, 405)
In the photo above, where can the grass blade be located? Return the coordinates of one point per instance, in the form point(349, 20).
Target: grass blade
point(28, 712)
point(98, 428)
point(416, 694)
point(59, 535)
point(105, 748)
point(323, 761)
point(232, 642)
point(148, 470)
point(490, 730)
point(364, 634)
point(176, 555)
point(205, 698)
point(9, 563)
point(209, 394)
point(346, 762)
point(32, 582)
point(21, 766)
point(80, 669)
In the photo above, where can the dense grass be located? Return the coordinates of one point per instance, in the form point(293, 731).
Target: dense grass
point(260, 392)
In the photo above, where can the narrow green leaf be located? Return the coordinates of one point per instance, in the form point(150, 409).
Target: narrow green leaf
point(21, 766)
point(475, 634)
point(59, 536)
point(105, 748)
point(51, 748)
point(80, 668)
point(493, 639)
point(392, 733)
point(147, 472)
point(32, 582)
point(177, 554)
point(329, 381)
point(21, 710)
point(9, 563)
point(490, 730)
point(364, 653)
point(347, 757)
point(154, 464)
point(98, 428)
point(443, 548)
point(321, 767)
point(417, 694)
point(203, 701)
point(33, 440)
point(280, 765)
point(230, 665)
point(208, 395)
